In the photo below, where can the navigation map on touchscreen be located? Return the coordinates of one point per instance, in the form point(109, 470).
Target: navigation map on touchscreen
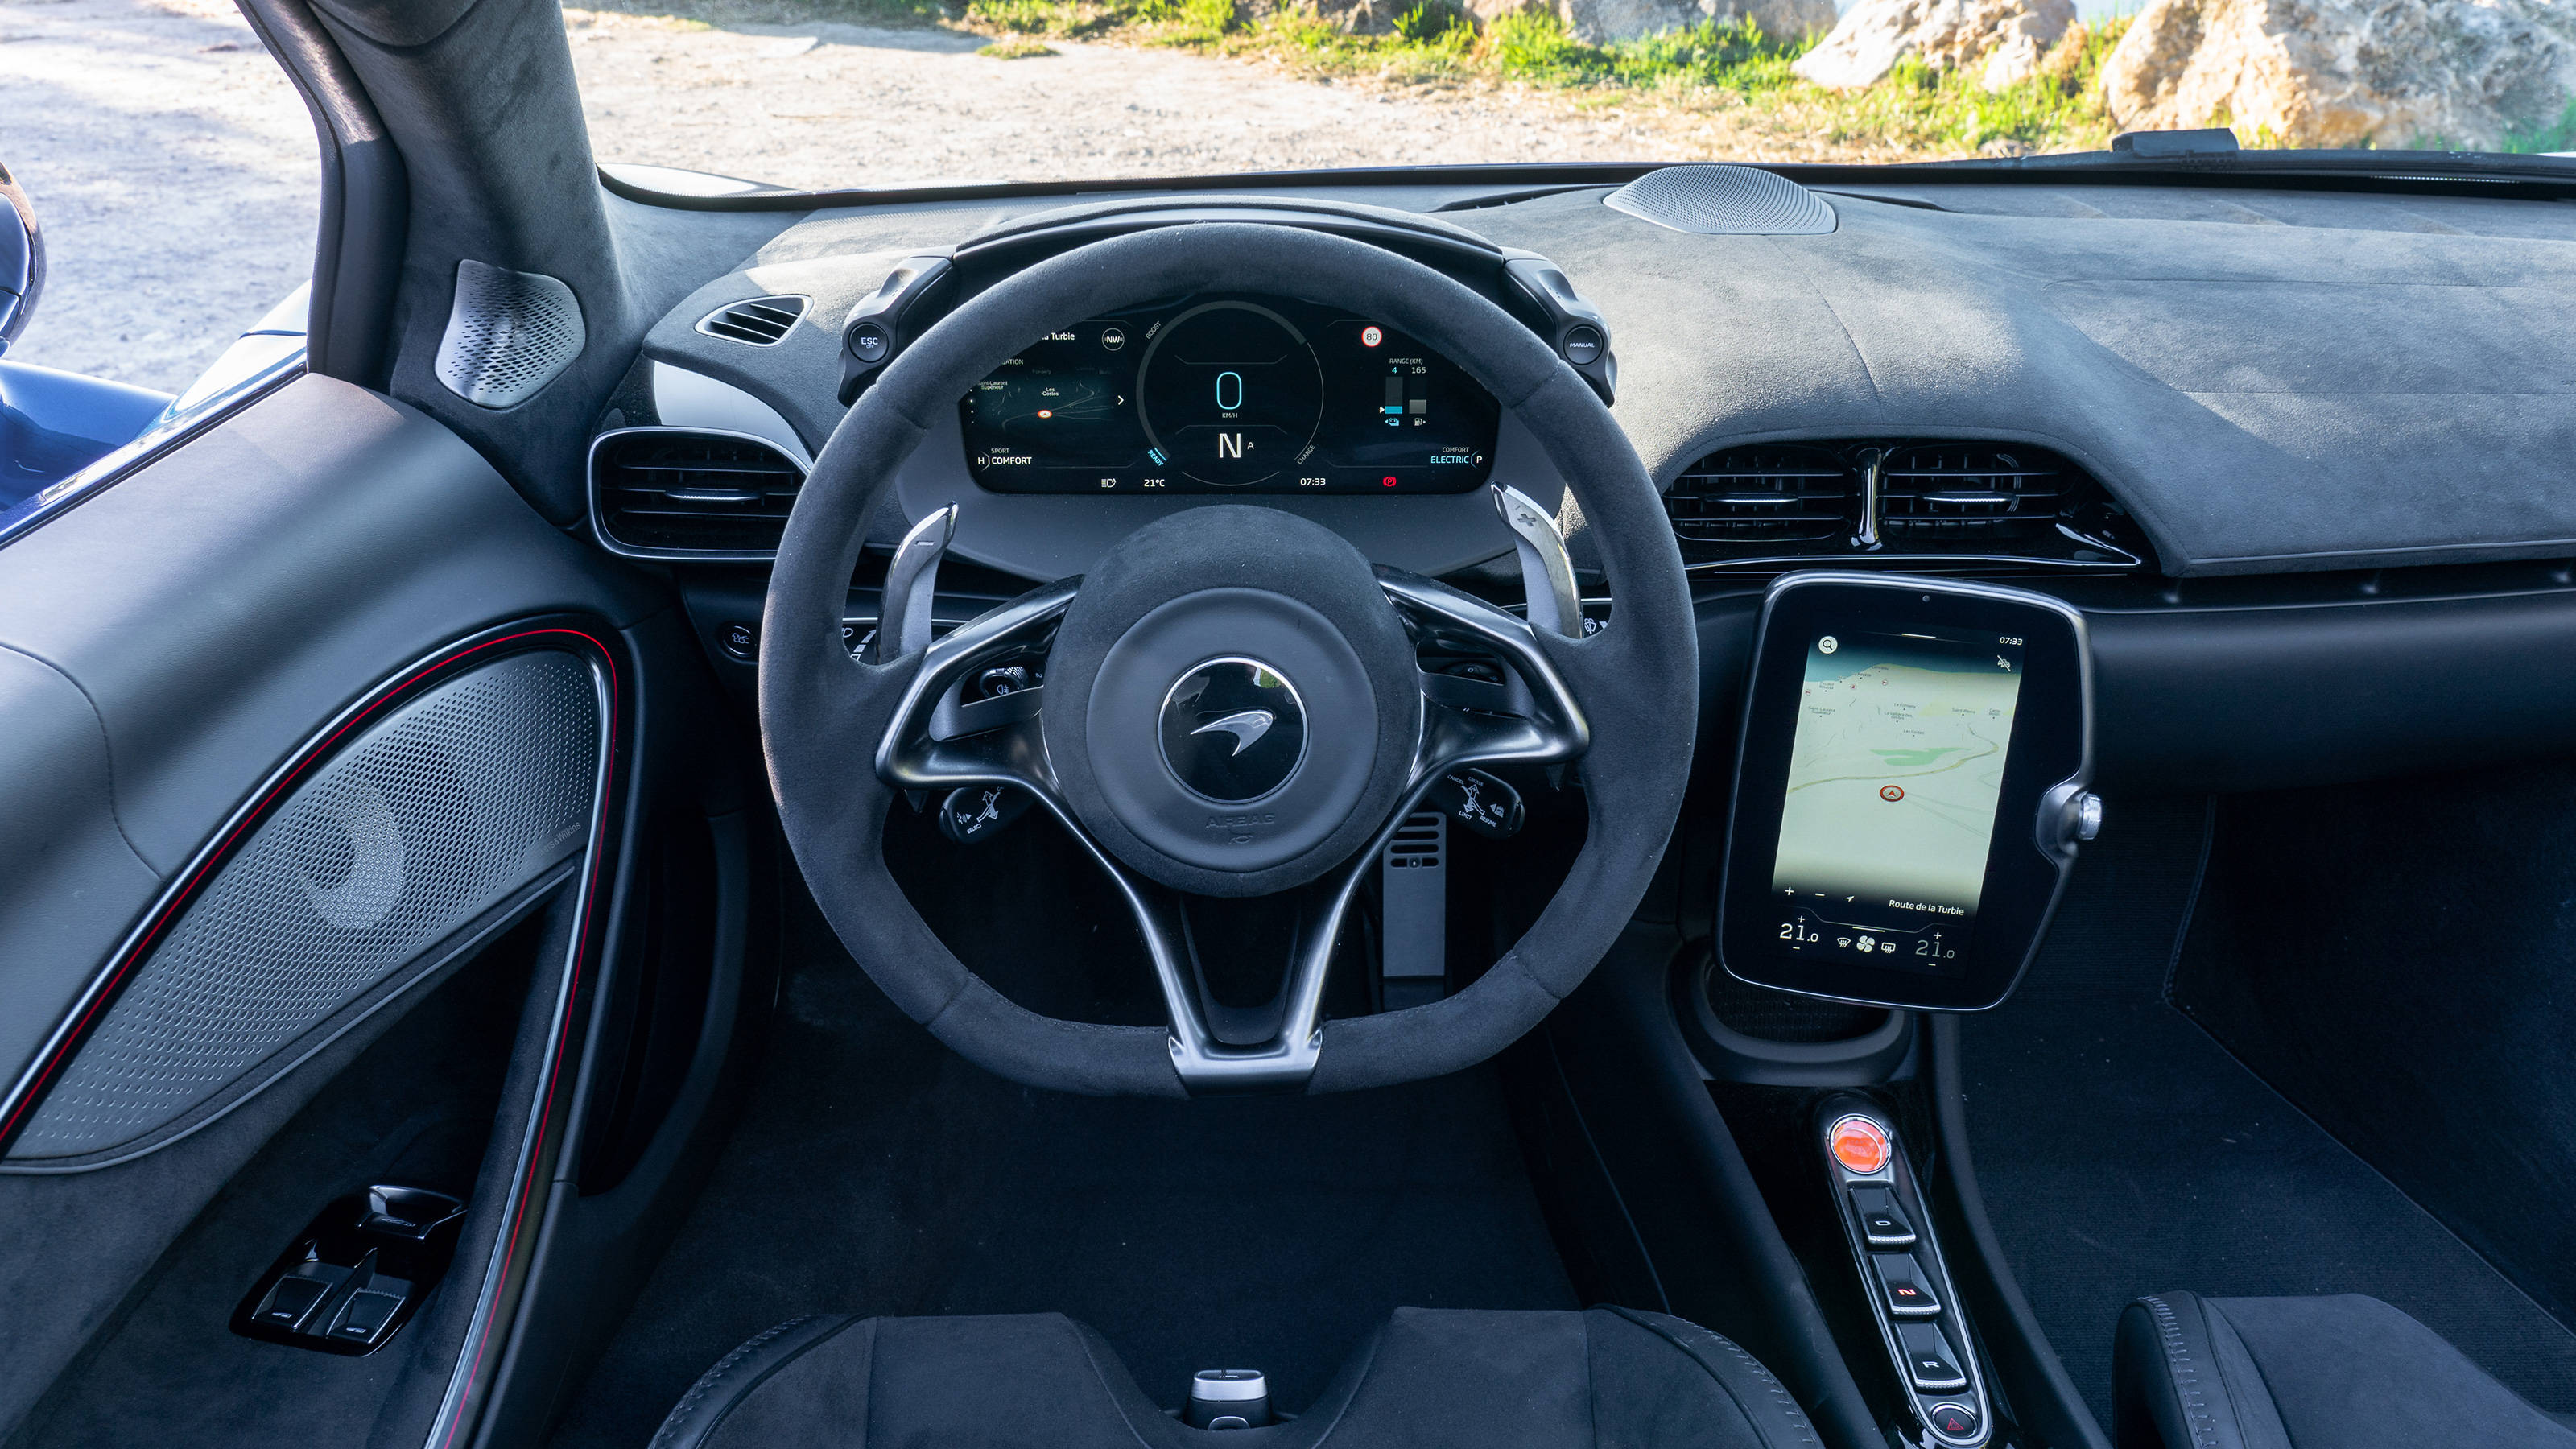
point(1894, 774)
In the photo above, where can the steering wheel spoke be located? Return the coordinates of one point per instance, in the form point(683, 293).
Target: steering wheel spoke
point(939, 739)
point(1526, 716)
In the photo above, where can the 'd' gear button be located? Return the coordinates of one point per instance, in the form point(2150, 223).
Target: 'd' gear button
point(1883, 1224)
point(1858, 1143)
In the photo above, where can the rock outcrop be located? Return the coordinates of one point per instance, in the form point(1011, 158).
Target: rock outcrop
point(2346, 73)
point(1597, 22)
point(1779, 19)
point(2001, 40)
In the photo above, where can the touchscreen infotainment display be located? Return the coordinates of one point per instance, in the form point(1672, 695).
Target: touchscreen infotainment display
point(1909, 791)
point(1896, 768)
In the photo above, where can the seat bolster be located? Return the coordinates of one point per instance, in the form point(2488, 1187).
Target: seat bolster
point(2181, 1380)
point(1770, 1410)
point(2351, 1371)
point(720, 1390)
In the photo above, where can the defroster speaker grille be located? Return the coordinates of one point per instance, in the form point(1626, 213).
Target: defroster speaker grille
point(1714, 200)
point(430, 818)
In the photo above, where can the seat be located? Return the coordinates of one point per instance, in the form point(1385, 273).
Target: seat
point(1427, 1379)
point(2339, 1372)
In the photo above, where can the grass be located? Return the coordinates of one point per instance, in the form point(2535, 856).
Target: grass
point(1731, 68)
point(2058, 108)
point(1710, 66)
point(2557, 136)
point(1913, 112)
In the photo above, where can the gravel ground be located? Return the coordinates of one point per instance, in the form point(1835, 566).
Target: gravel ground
point(172, 170)
point(172, 166)
point(838, 105)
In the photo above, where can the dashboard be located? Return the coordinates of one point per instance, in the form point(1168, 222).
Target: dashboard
point(2278, 450)
point(1229, 394)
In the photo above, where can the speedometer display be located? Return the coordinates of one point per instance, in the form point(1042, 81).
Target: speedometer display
point(1229, 395)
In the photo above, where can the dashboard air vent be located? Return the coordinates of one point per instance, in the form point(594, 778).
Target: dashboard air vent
point(672, 491)
point(762, 321)
point(1948, 491)
point(1954, 506)
point(1785, 494)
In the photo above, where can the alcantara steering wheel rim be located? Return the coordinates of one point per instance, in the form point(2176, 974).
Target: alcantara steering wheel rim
point(845, 738)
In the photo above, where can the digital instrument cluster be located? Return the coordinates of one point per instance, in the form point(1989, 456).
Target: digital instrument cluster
point(1226, 394)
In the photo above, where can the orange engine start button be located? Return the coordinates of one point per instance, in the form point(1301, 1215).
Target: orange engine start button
point(1858, 1143)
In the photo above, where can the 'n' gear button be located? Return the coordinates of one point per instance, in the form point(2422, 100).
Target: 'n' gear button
point(1908, 1292)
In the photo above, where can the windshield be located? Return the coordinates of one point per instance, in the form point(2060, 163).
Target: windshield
point(914, 92)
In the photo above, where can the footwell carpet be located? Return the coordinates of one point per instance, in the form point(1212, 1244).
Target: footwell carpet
point(874, 1171)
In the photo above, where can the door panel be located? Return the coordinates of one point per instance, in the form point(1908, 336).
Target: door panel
point(420, 835)
point(221, 681)
point(70, 881)
point(216, 607)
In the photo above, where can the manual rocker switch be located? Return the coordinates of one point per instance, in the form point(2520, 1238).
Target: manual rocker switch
point(297, 1294)
point(1908, 1292)
point(1928, 1359)
point(1883, 1224)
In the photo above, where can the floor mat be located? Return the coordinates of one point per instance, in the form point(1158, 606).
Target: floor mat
point(876, 1172)
point(2123, 1151)
point(2393, 960)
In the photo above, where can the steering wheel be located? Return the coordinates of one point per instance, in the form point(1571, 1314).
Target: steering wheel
point(1232, 703)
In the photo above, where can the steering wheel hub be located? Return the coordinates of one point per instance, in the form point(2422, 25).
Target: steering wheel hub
point(1179, 734)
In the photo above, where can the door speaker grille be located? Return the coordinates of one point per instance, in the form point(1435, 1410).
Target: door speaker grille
point(429, 819)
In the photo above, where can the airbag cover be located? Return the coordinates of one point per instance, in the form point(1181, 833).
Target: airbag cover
point(1232, 706)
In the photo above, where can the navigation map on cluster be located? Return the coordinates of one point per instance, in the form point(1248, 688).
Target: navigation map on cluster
point(1894, 774)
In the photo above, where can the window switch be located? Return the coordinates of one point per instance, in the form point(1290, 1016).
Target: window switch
point(292, 1298)
point(366, 1314)
point(1928, 1359)
point(1908, 1292)
point(1882, 1223)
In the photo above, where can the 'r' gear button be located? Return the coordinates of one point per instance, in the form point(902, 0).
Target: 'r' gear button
point(1859, 1144)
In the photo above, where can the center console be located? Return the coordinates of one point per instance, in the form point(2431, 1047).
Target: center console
point(1910, 788)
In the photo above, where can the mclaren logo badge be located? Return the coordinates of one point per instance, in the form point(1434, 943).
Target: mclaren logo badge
point(1233, 731)
point(1247, 727)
